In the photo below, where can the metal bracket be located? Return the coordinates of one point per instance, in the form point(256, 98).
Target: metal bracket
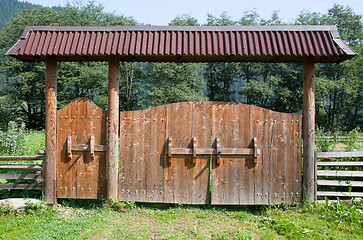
point(69, 147)
point(194, 149)
point(92, 148)
point(255, 151)
point(218, 151)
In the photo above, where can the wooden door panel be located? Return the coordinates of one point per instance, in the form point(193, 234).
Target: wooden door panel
point(81, 175)
point(166, 153)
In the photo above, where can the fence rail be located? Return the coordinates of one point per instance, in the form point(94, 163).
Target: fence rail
point(21, 172)
point(352, 178)
point(336, 138)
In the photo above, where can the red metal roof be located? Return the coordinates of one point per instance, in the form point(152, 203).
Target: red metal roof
point(183, 43)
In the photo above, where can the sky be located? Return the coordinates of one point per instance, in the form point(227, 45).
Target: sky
point(161, 12)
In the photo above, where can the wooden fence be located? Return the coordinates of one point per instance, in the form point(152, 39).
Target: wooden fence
point(337, 138)
point(338, 175)
point(28, 176)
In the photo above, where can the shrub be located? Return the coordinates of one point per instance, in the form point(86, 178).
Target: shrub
point(12, 141)
point(5, 209)
point(119, 206)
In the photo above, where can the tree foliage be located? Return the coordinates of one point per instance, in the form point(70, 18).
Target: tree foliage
point(276, 86)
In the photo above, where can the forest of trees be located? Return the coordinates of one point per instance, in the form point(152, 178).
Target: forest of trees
point(277, 86)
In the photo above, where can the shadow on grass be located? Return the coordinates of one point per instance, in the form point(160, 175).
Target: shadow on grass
point(100, 203)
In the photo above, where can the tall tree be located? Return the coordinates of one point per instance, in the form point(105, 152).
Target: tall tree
point(172, 82)
point(339, 86)
point(25, 81)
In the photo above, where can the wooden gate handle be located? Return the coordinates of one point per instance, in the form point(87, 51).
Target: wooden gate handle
point(69, 147)
point(92, 148)
point(218, 151)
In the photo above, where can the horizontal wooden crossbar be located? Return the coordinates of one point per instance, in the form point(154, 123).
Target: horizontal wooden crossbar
point(20, 158)
point(242, 152)
point(92, 148)
point(332, 173)
point(339, 194)
point(339, 154)
point(33, 176)
point(21, 186)
point(355, 164)
point(24, 167)
point(85, 147)
point(338, 183)
point(209, 151)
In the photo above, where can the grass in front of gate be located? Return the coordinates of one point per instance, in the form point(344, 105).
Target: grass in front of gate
point(81, 219)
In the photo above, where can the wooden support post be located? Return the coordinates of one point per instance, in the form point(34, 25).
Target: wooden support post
point(113, 127)
point(50, 160)
point(308, 129)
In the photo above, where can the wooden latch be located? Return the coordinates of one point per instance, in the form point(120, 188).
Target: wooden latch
point(92, 148)
point(218, 151)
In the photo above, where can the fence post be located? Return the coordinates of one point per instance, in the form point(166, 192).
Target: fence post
point(113, 127)
point(50, 130)
point(308, 128)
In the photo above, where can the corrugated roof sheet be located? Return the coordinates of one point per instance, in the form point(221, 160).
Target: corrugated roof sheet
point(183, 43)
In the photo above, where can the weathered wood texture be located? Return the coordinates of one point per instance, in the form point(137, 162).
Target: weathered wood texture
point(81, 176)
point(309, 128)
point(21, 172)
point(336, 177)
point(50, 159)
point(20, 158)
point(113, 127)
point(147, 174)
point(339, 154)
point(21, 186)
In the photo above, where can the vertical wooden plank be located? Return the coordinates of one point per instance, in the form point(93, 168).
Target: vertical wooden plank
point(217, 180)
point(156, 156)
point(269, 130)
point(127, 161)
point(202, 131)
point(113, 127)
point(275, 160)
point(50, 160)
point(72, 131)
point(62, 156)
point(226, 180)
point(100, 129)
point(308, 128)
point(243, 138)
point(131, 176)
point(298, 159)
point(179, 173)
point(258, 130)
point(139, 156)
point(169, 170)
point(183, 164)
point(286, 181)
point(121, 195)
point(81, 137)
point(290, 158)
point(146, 160)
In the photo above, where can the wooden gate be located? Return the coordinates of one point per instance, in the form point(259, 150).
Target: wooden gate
point(81, 156)
point(210, 152)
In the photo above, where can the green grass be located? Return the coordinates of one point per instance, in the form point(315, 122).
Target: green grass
point(81, 219)
point(34, 140)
